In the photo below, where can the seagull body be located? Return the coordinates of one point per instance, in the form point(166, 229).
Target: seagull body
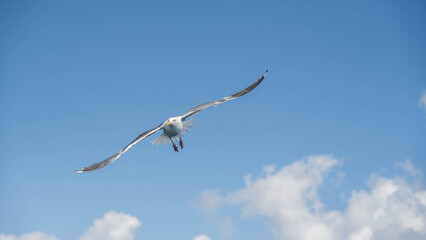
point(173, 128)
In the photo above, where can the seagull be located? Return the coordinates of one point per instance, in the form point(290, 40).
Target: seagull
point(173, 128)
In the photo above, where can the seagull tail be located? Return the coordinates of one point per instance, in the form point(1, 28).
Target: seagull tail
point(162, 139)
point(186, 126)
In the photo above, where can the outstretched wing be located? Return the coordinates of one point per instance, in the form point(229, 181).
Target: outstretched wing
point(201, 107)
point(111, 159)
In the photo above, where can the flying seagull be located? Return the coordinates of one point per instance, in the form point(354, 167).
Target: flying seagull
point(173, 128)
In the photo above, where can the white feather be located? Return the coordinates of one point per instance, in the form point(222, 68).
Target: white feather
point(186, 126)
point(160, 140)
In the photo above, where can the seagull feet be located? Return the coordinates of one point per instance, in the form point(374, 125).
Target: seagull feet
point(181, 144)
point(175, 147)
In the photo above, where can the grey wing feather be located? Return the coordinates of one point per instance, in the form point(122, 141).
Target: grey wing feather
point(111, 159)
point(201, 107)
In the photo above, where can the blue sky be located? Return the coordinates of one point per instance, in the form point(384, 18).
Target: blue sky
point(80, 80)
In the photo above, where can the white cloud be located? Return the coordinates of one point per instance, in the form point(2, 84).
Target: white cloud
point(201, 237)
point(392, 209)
point(422, 100)
point(363, 234)
point(28, 236)
point(113, 226)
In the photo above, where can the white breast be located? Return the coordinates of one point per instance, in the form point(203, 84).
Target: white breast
point(172, 130)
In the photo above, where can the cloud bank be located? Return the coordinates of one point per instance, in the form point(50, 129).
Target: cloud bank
point(288, 199)
point(112, 226)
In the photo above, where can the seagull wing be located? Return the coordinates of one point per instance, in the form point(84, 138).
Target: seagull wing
point(111, 159)
point(201, 107)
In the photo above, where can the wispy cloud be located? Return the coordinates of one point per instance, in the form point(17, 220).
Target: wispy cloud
point(391, 209)
point(409, 167)
point(422, 100)
point(209, 200)
point(227, 227)
point(201, 237)
point(28, 236)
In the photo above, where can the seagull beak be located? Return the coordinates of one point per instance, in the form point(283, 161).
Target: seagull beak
point(169, 123)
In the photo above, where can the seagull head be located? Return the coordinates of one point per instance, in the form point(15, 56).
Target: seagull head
point(171, 121)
